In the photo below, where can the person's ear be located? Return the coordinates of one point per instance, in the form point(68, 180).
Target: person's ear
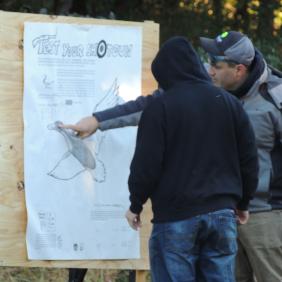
point(241, 70)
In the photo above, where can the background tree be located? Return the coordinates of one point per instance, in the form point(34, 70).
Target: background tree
point(260, 19)
point(242, 17)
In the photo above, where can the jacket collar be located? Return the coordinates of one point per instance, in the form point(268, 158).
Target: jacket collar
point(258, 73)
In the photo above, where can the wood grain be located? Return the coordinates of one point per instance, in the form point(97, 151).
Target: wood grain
point(12, 198)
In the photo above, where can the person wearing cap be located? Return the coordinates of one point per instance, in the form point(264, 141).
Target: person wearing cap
point(238, 67)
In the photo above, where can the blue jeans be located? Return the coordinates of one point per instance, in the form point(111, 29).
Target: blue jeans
point(202, 248)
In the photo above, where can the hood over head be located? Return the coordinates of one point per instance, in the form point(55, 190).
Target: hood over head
point(176, 62)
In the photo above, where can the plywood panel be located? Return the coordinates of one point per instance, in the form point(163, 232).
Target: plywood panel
point(12, 198)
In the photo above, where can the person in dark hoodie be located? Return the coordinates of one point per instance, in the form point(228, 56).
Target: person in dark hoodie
point(196, 159)
point(241, 69)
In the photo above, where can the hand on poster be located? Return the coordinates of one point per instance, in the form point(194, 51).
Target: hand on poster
point(84, 128)
point(133, 220)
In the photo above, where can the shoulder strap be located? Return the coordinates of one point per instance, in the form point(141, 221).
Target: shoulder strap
point(275, 71)
point(265, 94)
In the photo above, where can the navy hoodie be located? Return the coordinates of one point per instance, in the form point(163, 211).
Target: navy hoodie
point(195, 150)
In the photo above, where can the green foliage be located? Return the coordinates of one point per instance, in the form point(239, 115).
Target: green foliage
point(271, 51)
point(23, 274)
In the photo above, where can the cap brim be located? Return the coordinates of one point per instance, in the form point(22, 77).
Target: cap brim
point(209, 46)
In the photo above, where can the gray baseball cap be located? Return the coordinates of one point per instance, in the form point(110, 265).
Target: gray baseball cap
point(232, 45)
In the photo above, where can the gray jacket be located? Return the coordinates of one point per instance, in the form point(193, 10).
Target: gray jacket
point(266, 117)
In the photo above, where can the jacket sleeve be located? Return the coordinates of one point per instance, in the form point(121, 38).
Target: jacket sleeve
point(248, 158)
point(279, 127)
point(146, 166)
point(276, 153)
point(127, 114)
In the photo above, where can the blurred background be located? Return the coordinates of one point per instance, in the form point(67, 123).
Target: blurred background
point(260, 19)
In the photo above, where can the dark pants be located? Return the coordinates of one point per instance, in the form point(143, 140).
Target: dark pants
point(260, 248)
point(77, 274)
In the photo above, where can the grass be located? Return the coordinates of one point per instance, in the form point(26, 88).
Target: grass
point(21, 274)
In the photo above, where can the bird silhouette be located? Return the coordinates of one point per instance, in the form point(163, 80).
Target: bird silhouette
point(78, 148)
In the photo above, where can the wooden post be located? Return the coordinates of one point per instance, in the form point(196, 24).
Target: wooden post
point(140, 276)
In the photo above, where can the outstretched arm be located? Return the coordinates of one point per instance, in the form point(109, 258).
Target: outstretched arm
point(85, 127)
point(127, 114)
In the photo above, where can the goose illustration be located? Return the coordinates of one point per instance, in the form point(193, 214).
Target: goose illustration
point(89, 160)
point(46, 82)
point(76, 148)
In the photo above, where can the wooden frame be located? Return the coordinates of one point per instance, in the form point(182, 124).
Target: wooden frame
point(12, 198)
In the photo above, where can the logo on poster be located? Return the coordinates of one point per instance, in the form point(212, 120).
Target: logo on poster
point(49, 45)
point(46, 45)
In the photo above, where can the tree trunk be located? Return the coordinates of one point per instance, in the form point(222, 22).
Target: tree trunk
point(62, 7)
point(265, 18)
point(242, 18)
point(217, 9)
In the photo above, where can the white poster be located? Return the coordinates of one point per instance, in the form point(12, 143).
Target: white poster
point(76, 190)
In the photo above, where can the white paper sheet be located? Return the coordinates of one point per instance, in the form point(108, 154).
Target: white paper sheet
point(76, 190)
